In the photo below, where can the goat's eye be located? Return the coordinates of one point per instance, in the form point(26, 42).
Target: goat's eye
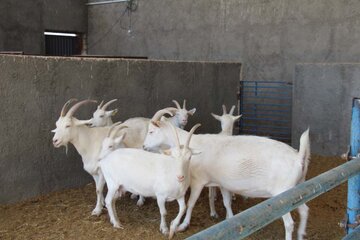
point(67, 126)
point(101, 116)
point(151, 132)
point(110, 146)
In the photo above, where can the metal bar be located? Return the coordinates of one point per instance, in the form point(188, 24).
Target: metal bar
point(266, 119)
point(271, 110)
point(269, 82)
point(267, 132)
point(268, 92)
point(269, 104)
point(269, 87)
point(265, 115)
point(353, 205)
point(268, 97)
point(265, 126)
point(106, 2)
point(255, 218)
point(354, 235)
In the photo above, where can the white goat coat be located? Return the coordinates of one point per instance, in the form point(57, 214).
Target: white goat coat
point(244, 164)
point(144, 173)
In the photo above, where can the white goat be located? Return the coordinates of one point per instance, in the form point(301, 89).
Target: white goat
point(180, 119)
point(149, 174)
point(87, 142)
point(102, 117)
point(247, 165)
point(227, 121)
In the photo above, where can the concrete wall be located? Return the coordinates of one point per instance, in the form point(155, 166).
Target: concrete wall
point(269, 37)
point(323, 95)
point(22, 23)
point(33, 90)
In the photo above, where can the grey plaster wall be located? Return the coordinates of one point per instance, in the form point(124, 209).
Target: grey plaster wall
point(323, 95)
point(33, 90)
point(22, 23)
point(268, 37)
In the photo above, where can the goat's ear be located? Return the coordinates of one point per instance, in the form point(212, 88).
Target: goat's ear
point(217, 117)
point(165, 151)
point(83, 122)
point(237, 117)
point(156, 124)
point(114, 112)
point(120, 139)
point(192, 111)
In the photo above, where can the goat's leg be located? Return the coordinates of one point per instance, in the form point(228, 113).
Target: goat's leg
point(194, 195)
point(99, 183)
point(303, 212)
point(212, 196)
point(110, 204)
point(227, 202)
point(163, 226)
point(176, 221)
point(289, 226)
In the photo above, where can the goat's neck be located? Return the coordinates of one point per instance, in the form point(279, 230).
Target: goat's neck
point(109, 122)
point(227, 132)
point(83, 142)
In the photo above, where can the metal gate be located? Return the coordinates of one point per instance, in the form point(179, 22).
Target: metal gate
point(266, 109)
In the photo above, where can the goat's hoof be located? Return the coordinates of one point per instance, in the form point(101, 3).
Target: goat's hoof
point(214, 215)
point(164, 230)
point(96, 212)
point(182, 227)
point(133, 196)
point(118, 225)
point(140, 202)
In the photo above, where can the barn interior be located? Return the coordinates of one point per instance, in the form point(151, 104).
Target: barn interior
point(285, 64)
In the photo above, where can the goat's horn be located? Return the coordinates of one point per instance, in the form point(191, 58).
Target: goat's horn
point(112, 127)
point(177, 104)
point(184, 104)
point(108, 103)
point(232, 110)
point(114, 133)
point(177, 142)
point(161, 112)
point(63, 110)
point(224, 109)
point(102, 102)
point(77, 105)
point(190, 134)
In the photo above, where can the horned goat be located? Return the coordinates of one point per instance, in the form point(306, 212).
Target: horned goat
point(227, 121)
point(149, 174)
point(87, 142)
point(102, 117)
point(180, 119)
point(251, 166)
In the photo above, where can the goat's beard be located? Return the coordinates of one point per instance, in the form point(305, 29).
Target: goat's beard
point(66, 149)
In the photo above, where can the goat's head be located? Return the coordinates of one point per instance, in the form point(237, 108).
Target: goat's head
point(112, 141)
point(182, 114)
point(181, 153)
point(157, 136)
point(102, 116)
point(227, 119)
point(65, 125)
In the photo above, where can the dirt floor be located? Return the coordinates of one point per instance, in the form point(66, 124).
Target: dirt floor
point(66, 215)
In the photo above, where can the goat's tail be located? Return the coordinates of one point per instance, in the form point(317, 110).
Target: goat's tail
point(304, 152)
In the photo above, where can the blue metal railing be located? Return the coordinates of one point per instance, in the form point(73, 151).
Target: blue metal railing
point(266, 109)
